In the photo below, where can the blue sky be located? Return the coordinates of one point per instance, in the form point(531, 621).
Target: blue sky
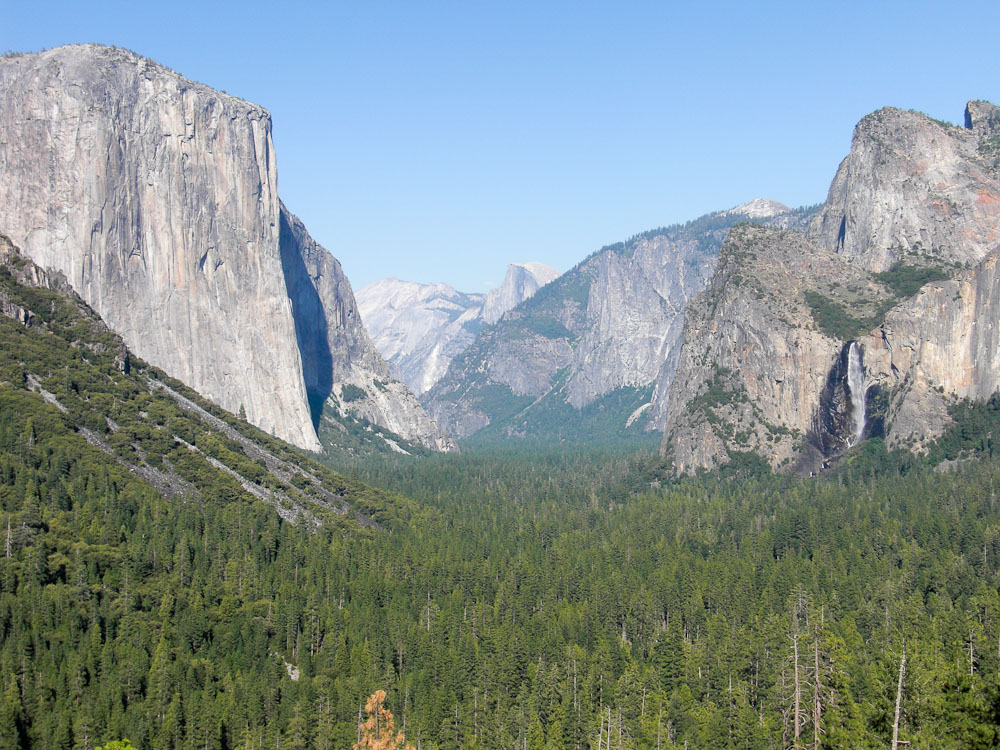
point(438, 141)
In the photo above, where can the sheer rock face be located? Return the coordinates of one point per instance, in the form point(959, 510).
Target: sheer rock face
point(943, 342)
point(520, 283)
point(420, 328)
point(635, 315)
point(914, 189)
point(157, 198)
point(753, 365)
point(336, 349)
point(757, 374)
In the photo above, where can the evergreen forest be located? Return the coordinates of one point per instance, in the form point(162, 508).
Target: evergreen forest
point(171, 577)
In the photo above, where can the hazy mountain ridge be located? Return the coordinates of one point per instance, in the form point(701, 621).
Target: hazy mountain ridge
point(420, 328)
point(610, 324)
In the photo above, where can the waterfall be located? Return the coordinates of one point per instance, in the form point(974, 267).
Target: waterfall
point(857, 388)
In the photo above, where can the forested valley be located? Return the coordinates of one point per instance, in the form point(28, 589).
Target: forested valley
point(157, 584)
point(533, 601)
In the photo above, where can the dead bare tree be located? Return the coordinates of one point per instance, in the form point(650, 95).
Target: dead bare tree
point(899, 701)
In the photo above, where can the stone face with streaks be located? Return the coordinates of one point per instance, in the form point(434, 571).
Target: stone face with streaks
point(943, 342)
point(607, 329)
point(157, 198)
point(916, 190)
point(759, 373)
point(753, 365)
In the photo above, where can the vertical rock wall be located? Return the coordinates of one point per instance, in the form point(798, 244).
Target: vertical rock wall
point(157, 198)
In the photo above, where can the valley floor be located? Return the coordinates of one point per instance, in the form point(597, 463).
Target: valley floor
point(535, 599)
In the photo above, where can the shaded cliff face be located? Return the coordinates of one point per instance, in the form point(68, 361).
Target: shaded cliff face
point(592, 354)
point(343, 371)
point(916, 190)
point(755, 362)
point(420, 328)
point(157, 198)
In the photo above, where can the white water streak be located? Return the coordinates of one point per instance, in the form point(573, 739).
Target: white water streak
point(858, 387)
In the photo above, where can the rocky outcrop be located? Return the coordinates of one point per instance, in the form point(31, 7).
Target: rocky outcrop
point(520, 283)
point(635, 314)
point(788, 350)
point(754, 362)
point(915, 190)
point(157, 198)
point(420, 328)
point(599, 343)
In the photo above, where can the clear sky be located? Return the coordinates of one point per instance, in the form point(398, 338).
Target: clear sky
point(437, 141)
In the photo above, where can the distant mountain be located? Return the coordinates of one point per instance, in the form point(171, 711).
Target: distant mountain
point(591, 355)
point(419, 328)
point(157, 197)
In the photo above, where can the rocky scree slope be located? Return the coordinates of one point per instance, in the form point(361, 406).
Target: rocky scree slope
point(419, 328)
point(896, 290)
point(68, 377)
point(592, 354)
point(157, 198)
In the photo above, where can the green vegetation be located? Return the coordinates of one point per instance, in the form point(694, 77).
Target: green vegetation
point(513, 598)
point(544, 587)
point(835, 320)
point(976, 423)
point(350, 392)
point(541, 326)
point(552, 420)
point(906, 280)
point(717, 394)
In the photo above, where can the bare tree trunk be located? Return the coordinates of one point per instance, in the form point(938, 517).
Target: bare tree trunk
point(972, 659)
point(796, 724)
point(899, 701)
point(817, 706)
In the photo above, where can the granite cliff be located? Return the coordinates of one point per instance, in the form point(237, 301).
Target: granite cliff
point(800, 349)
point(157, 198)
point(420, 328)
point(916, 190)
point(758, 352)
